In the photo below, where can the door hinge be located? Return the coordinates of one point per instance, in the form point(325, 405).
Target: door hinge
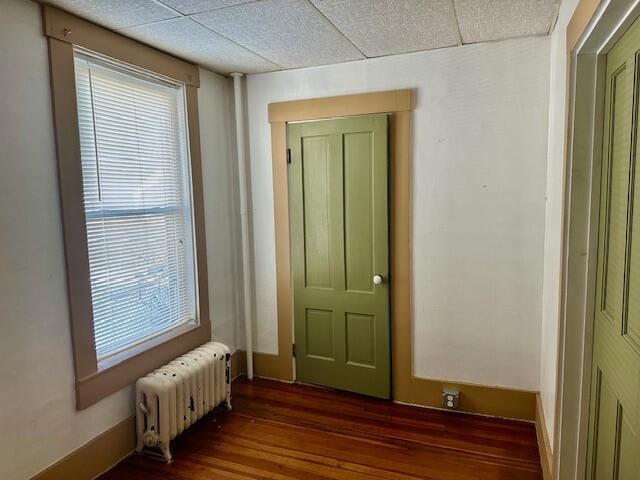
point(293, 349)
point(288, 155)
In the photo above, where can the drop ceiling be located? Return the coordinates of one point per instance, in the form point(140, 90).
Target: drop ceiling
point(253, 36)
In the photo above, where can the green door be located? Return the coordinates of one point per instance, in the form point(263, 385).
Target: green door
point(614, 440)
point(340, 253)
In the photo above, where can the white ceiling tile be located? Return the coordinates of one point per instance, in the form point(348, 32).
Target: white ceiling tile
point(117, 13)
point(385, 27)
point(484, 20)
point(196, 6)
point(188, 39)
point(291, 33)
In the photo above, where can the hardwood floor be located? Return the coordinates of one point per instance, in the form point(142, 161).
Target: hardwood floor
point(281, 431)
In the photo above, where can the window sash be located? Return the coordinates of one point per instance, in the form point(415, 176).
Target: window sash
point(133, 302)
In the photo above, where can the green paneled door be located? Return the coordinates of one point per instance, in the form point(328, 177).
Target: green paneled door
point(339, 244)
point(614, 431)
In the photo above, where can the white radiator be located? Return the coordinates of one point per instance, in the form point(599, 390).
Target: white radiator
point(175, 396)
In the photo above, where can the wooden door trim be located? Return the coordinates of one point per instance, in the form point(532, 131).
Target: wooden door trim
point(406, 388)
point(398, 104)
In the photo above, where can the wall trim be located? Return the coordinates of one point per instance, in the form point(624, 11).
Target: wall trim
point(341, 106)
point(544, 445)
point(407, 388)
point(477, 399)
point(96, 456)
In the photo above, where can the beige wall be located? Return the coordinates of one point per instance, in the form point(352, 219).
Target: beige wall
point(37, 414)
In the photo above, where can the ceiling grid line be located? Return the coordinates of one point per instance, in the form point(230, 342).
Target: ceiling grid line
point(190, 17)
point(188, 39)
point(483, 21)
point(291, 32)
point(180, 14)
point(145, 24)
point(388, 27)
point(336, 28)
point(554, 20)
point(455, 22)
point(189, 14)
point(169, 7)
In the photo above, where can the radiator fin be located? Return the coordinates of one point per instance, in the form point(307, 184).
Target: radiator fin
point(175, 396)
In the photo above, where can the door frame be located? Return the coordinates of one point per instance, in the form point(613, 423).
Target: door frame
point(593, 30)
point(398, 104)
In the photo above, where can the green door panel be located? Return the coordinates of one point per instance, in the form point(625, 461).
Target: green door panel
point(358, 211)
point(338, 194)
point(316, 180)
point(614, 418)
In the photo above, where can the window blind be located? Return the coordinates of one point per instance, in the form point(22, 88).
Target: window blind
point(137, 202)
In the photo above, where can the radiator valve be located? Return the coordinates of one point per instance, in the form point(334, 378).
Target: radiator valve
point(150, 438)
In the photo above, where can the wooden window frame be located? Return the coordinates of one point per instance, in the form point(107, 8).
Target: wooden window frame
point(94, 380)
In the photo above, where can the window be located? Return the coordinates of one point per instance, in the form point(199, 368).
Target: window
point(137, 203)
point(128, 149)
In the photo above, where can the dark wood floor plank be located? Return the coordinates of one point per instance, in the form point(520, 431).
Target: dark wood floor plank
point(329, 421)
point(406, 457)
point(374, 408)
point(278, 431)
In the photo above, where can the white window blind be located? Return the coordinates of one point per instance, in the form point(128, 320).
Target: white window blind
point(137, 201)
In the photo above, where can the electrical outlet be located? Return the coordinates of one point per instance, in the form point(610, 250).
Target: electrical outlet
point(451, 398)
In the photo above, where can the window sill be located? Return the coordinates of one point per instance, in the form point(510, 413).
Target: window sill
point(139, 348)
point(123, 369)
